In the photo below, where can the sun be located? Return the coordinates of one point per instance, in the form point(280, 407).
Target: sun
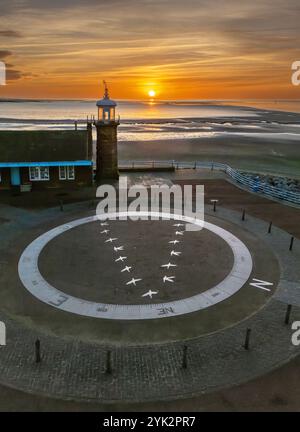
point(151, 93)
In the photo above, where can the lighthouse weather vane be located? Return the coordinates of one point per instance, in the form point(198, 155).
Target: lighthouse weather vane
point(106, 94)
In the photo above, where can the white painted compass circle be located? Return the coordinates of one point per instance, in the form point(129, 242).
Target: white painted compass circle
point(35, 283)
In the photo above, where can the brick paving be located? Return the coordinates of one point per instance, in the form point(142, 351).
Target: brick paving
point(75, 370)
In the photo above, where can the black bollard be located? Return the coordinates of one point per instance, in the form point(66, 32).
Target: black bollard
point(61, 205)
point(38, 351)
point(291, 243)
point(184, 357)
point(195, 166)
point(108, 369)
point(214, 201)
point(288, 314)
point(247, 339)
point(243, 215)
point(270, 228)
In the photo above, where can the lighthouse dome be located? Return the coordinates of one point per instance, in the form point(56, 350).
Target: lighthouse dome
point(106, 102)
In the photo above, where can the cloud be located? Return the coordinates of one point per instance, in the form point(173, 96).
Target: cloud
point(73, 40)
point(13, 74)
point(4, 54)
point(10, 33)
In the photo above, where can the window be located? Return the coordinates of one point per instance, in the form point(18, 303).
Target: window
point(71, 172)
point(66, 172)
point(62, 173)
point(39, 173)
point(112, 113)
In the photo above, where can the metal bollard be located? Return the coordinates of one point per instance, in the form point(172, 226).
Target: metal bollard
point(288, 314)
point(184, 357)
point(61, 205)
point(243, 215)
point(270, 228)
point(247, 339)
point(214, 201)
point(291, 243)
point(38, 351)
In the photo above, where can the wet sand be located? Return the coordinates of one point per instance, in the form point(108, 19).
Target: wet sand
point(262, 155)
point(269, 142)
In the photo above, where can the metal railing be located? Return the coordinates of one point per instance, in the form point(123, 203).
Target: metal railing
point(255, 185)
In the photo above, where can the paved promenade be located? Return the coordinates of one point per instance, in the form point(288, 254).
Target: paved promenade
point(75, 369)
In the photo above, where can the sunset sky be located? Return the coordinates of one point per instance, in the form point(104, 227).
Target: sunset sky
point(182, 49)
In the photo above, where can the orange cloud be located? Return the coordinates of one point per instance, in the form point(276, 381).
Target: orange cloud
point(184, 50)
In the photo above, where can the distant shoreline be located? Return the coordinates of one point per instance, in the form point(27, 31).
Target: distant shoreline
point(35, 111)
point(184, 101)
point(218, 120)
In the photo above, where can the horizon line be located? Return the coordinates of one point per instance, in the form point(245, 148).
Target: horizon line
point(149, 100)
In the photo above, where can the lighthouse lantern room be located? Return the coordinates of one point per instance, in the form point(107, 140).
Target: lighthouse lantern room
point(106, 107)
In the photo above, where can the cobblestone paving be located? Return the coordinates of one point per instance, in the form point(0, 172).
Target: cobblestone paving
point(73, 369)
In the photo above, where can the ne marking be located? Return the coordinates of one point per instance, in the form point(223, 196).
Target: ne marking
point(233, 282)
point(165, 311)
point(261, 284)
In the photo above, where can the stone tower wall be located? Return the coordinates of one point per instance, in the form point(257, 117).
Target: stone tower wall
point(107, 151)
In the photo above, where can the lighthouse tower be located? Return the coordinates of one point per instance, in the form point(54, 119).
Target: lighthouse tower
point(107, 143)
